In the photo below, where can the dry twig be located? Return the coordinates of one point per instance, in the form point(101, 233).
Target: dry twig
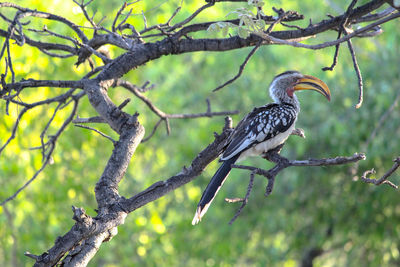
point(384, 178)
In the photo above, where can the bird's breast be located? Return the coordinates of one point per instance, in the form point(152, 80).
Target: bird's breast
point(267, 145)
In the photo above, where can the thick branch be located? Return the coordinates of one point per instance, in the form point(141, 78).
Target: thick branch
point(43, 83)
point(187, 174)
point(142, 53)
point(88, 233)
point(87, 227)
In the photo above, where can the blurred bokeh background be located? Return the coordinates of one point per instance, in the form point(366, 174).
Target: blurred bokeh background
point(313, 209)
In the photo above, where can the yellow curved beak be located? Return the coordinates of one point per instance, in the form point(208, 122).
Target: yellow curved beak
point(309, 82)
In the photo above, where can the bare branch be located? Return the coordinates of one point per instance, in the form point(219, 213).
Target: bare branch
point(241, 68)
point(43, 83)
point(384, 178)
point(153, 131)
point(358, 72)
point(245, 200)
point(83, 6)
point(85, 237)
point(282, 163)
point(122, 23)
point(187, 174)
point(45, 130)
point(335, 56)
point(376, 16)
point(191, 17)
point(29, 12)
point(124, 5)
point(282, 15)
point(272, 40)
point(14, 129)
point(97, 131)
point(378, 126)
point(96, 119)
point(32, 256)
point(137, 92)
point(42, 45)
point(48, 158)
point(328, 161)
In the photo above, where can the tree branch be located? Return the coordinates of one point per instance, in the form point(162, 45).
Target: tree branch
point(83, 240)
point(113, 208)
point(283, 163)
point(241, 68)
point(384, 178)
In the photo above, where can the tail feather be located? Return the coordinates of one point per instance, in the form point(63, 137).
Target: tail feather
point(212, 188)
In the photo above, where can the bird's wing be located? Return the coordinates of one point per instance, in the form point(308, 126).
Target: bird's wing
point(259, 125)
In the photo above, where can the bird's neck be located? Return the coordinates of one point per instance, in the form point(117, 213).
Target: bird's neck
point(293, 101)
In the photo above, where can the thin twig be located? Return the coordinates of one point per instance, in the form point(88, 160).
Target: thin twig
point(270, 186)
point(45, 130)
point(272, 40)
point(48, 156)
point(9, 61)
point(384, 178)
point(152, 132)
point(96, 119)
point(32, 256)
point(175, 13)
point(120, 25)
point(14, 129)
point(97, 131)
point(241, 68)
point(335, 56)
point(124, 5)
point(191, 17)
point(358, 72)
point(282, 16)
point(123, 104)
point(245, 200)
point(282, 163)
point(137, 92)
point(167, 126)
point(342, 28)
point(83, 6)
point(378, 127)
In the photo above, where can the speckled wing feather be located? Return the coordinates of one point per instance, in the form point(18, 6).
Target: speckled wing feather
point(258, 126)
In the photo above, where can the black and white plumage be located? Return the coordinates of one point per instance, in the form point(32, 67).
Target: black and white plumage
point(263, 129)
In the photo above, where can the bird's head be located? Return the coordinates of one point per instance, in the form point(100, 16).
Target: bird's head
point(284, 85)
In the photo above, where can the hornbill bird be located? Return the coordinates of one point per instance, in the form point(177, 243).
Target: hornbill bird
point(263, 129)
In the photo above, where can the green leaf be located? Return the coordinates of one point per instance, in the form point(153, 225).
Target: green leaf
point(243, 33)
point(213, 28)
point(261, 24)
point(225, 30)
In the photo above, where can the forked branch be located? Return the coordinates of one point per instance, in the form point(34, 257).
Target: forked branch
point(282, 163)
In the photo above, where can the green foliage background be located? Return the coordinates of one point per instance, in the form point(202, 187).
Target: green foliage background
point(355, 223)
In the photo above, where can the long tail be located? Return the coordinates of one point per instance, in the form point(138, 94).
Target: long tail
point(212, 188)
